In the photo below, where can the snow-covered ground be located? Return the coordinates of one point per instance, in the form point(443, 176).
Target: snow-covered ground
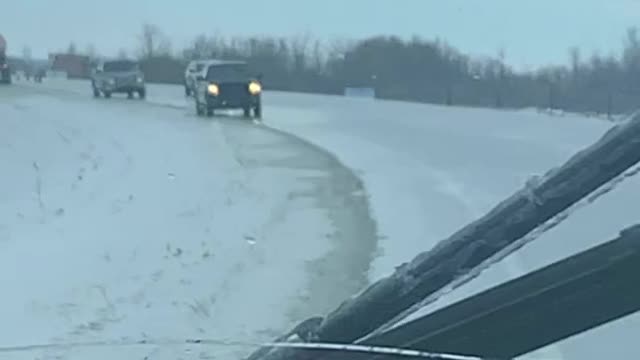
point(428, 170)
point(124, 220)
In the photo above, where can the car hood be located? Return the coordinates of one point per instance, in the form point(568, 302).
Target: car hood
point(233, 81)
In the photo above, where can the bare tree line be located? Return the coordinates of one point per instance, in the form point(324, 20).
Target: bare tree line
point(417, 69)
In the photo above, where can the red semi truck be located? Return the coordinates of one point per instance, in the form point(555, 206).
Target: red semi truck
point(5, 71)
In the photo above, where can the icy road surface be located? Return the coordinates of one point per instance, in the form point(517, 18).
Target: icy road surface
point(428, 170)
point(124, 219)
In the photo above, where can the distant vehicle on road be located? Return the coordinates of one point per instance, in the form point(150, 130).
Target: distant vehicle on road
point(5, 70)
point(118, 76)
point(228, 85)
point(194, 69)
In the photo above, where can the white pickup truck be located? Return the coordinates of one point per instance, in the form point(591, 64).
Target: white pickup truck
point(118, 76)
point(194, 69)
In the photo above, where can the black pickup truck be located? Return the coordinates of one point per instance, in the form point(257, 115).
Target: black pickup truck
point(228, 85)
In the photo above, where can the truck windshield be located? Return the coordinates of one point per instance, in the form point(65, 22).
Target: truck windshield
point(228, 72)
point(120, 66)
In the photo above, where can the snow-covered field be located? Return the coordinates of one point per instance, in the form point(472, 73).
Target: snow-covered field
point(427, 171)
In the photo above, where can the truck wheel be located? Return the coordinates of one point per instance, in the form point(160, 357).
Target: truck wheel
point(257, 111)
point(187, 91)
point(107, 94)
point(96, 93)
point(142, 93)
point(130, 95)
point(247, 112)
point(210, 112)
point(199, 109)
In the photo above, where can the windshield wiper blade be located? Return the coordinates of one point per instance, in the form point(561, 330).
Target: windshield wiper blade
point(535, 310)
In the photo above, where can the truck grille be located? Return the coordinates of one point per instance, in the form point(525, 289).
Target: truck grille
point(126, 80)
point(234, 90)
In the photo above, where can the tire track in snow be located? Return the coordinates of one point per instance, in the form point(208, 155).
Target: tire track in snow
point(342, 269)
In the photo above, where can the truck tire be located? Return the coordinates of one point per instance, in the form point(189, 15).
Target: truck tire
point(142, 94)
point(199, 109)
point(96, 92)
point(107, 94)
point(257, 111)
point(246, 112)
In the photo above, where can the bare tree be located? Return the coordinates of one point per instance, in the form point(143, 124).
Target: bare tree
point(318, 57)
point(502, 63)
point(574, 56)
point(201, 47)
point(164, 47)
point(500, 73)
point(148, 40)
point(631, 56)
point(153, 42)
point(299, 47)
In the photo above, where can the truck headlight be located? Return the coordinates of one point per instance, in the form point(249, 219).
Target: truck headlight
point(111, 81)
point(213, 89)
point(255, 88)
point(139, 79)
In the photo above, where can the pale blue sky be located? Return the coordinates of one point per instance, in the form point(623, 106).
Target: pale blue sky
point(533, 32)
